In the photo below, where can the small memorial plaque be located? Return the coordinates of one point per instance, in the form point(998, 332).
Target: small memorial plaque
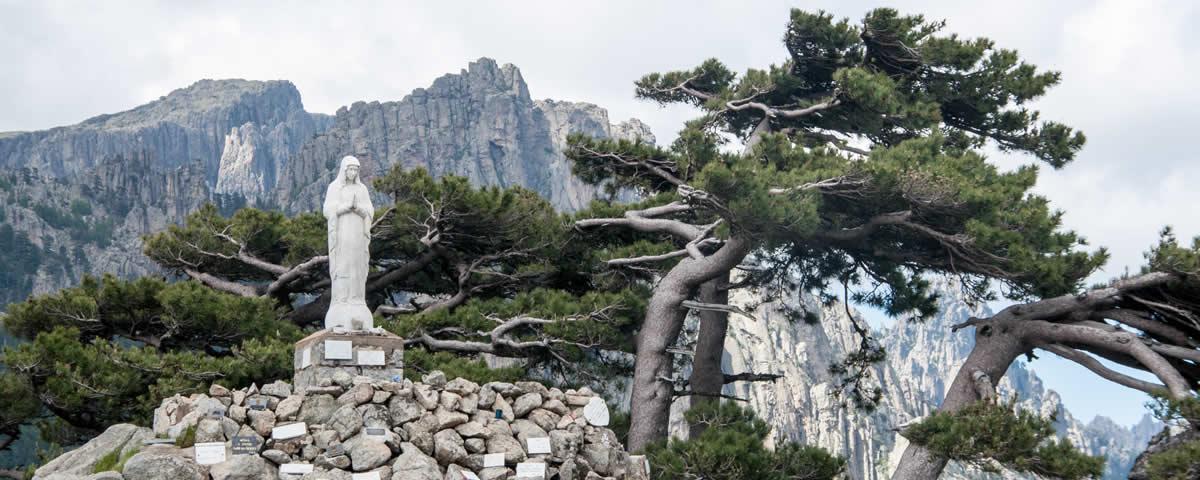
point(531, 470)
point(305, 358)
point(499, 414)
point(257, 403)
point(217, 412)
point(376, 432)
point(335, 450)
point(246, 444)
point(538, 445)
point(371, 358)
point(339, 350)
point(210, 453)
point(493, 460)
point(296, 468)
point(291, 430)
point(365, 476)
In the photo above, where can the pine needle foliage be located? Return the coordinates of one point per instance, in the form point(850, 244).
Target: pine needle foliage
point(990, 435)
point(731, 448)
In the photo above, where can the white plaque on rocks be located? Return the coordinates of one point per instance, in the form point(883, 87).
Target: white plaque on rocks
point(291, 430)
point(365, 476)
point(469, 475)
point(210, 453)
point(596, 412)
point(493, 460)
point(371, 357)
point(531, 470)
point(296, 468)
point(538, 445)
point(339, 350)
point(305, 358)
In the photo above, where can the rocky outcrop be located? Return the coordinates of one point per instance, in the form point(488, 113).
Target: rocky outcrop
point(480, 123)
point(119, 440)
point(189, 124)
point(922, 358)
point(239, 142)
point(433, 429)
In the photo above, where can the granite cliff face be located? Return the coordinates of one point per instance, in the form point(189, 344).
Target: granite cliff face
point(923, 358)
point(189, 124)
point(480, 123)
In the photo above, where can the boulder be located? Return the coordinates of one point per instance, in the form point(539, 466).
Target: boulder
point(122, 437)
point(413, 464)
point(162, 462)
point(243, 467)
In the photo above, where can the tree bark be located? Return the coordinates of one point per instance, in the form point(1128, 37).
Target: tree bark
point(652, 386)
point(708, 379)
point(992, 354)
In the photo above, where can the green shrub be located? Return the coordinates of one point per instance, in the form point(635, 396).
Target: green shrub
point(187, 438)
point(1179, 463)
point(988, 434)
point(731, 448)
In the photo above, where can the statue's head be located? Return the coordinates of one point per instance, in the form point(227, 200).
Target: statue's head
point(349, 169)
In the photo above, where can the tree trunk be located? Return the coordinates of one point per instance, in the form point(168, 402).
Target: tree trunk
point(652, 388)
point(991, 355)
point(708, 379)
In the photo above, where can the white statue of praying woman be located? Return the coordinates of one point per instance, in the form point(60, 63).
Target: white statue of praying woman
point(349, 214)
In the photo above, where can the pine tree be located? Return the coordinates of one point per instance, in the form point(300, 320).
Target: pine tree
point(859, 167)
point(460, 271)
point(1149, 322)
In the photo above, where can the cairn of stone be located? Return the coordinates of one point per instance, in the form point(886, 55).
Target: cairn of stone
point(359, 428)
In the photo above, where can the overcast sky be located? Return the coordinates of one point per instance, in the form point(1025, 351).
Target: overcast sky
point(1128, 76)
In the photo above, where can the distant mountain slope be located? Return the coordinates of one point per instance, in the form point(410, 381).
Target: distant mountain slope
point(77, 199)
point(922, 359)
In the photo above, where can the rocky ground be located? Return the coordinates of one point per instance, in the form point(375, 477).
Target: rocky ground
point(352, 428)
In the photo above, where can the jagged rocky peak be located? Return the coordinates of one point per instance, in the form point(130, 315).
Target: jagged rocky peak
point(268, 102)
point(479, 123)
point(188, 124)
point(566, 118)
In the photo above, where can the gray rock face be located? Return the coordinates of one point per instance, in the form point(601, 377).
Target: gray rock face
point(160, 462)
point(480, 124)
point(243, 467)
point(187, 124)
point(121, 438)
point(923, 358)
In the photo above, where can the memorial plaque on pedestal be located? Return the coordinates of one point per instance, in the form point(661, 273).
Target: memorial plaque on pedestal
point(372, 357)
point(305, 358)
point(339, 350)
point(246, 444)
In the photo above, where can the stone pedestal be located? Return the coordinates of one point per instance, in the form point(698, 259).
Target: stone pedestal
point(319, 356)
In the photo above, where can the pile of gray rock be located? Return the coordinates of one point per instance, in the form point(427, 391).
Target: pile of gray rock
point(357, 428)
